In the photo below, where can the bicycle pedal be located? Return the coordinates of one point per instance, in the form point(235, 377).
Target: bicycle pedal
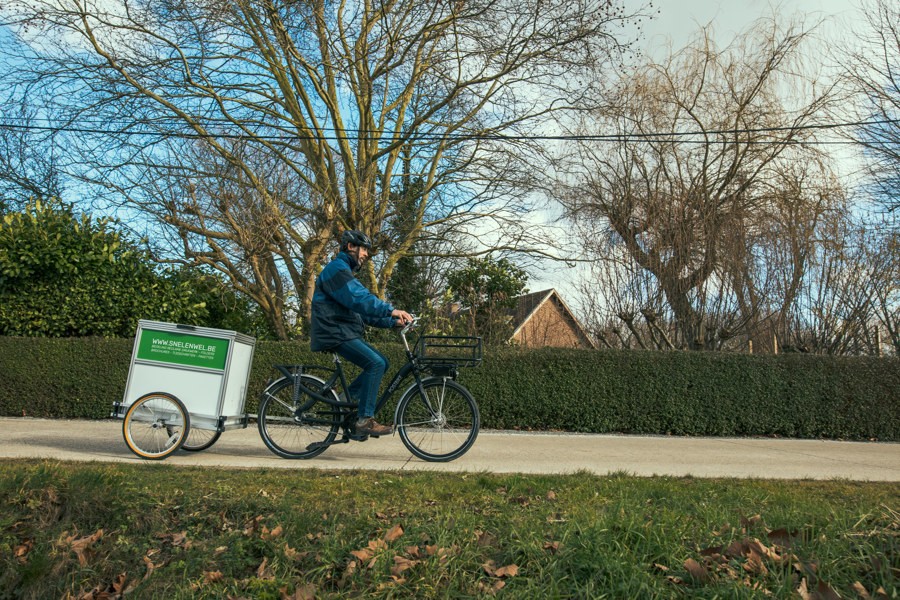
point(359, 438)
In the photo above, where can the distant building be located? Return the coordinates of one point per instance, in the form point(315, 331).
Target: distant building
point(543, 319)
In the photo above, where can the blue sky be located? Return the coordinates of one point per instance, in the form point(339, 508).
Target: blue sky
point(679, 19)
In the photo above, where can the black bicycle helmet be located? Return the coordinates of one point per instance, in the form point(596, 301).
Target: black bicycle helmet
point(357, 238)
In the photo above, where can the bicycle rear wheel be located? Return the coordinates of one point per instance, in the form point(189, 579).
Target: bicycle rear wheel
point(300, 427)
point(156, 425)
point(441, 425)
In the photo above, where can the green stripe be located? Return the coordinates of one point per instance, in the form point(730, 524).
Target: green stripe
point(183, 349)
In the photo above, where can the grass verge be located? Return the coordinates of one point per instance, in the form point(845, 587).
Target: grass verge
point(157, 531)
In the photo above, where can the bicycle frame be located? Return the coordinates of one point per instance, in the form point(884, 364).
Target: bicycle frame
point(410, 367)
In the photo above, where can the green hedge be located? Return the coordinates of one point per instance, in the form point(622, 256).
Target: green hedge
point(678, 393)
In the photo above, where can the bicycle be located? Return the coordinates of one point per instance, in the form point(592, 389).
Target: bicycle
point(300, 415)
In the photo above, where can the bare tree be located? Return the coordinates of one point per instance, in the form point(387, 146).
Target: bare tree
point(884, 261)
point(254, 130)
point(29, 158)
point(871, 61)
point(702, 167)
point(850, 291)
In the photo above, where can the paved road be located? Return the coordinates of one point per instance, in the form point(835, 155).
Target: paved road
point(494, 451)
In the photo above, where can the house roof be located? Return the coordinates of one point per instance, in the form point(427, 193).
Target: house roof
point(528, 305)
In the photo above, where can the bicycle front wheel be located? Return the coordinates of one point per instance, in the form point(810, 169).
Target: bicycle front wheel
point(441, 425)
point(156, 425)
point(296, 425)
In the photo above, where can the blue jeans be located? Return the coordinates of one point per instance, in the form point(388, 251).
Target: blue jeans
point(364, 388)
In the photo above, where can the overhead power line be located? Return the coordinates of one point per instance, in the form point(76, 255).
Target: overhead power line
point(333, 134)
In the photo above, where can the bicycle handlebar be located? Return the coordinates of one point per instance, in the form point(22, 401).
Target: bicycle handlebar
point(406, 329)
point(410, 325)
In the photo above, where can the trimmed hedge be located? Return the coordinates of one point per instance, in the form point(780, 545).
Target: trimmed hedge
point(678, 393)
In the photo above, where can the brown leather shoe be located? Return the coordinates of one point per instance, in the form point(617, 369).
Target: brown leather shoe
point(371, 427)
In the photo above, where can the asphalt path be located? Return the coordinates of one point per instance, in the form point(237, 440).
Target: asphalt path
point(494, 452)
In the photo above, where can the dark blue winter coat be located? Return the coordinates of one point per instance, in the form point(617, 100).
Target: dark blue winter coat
point(342, 306)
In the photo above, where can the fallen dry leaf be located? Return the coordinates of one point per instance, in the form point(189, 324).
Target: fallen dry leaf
point(748, 522)
point(551, 496)
point(118, 586)
point(736, 548)
point(368, 553)
point(490, 567)
point(98, 593)
point(402, 564)
point(393, 533)
point(150, 568)
point(293, 554)
point(507, 571)
point(754, 564)
point(363, 555)
point(552, 547)
point(349, 570)
point(21, 551)
point(861, 591)
point(696, 570)
point(378, 544)
point(212, 576)
point(492, 589)
point(251, 526)
point(782, 537)
point(82, 546)
point(264, 571)
point(484, 538)
point(822, 592)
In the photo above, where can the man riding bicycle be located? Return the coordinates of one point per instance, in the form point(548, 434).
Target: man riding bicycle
point(341, 308)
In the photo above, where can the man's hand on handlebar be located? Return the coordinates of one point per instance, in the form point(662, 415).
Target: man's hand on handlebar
point(403, 317)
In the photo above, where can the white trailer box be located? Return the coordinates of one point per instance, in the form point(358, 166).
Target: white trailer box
point(207, 369)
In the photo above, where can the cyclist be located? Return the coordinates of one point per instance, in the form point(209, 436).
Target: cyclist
point(341, 308)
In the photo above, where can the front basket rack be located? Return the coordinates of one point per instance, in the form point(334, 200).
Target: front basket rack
point(463, 351)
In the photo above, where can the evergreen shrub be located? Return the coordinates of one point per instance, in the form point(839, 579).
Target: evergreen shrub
point(605, 391)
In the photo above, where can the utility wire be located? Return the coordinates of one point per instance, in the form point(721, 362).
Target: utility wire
point(369, 135)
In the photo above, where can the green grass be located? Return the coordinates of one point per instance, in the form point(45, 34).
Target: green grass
point(157, 531)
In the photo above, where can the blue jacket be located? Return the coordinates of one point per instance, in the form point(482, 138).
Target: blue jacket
point(342, 306)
